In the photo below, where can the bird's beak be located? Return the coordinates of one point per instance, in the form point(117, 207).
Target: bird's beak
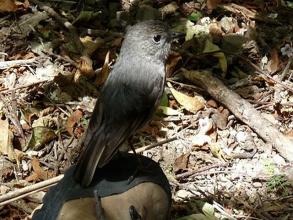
point(176, 35)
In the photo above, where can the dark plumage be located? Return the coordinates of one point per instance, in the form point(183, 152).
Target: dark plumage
point(129, 97)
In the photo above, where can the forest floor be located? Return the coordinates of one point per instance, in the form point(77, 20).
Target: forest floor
point(223, 133)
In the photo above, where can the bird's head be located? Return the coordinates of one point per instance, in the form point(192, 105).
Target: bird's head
point(150, 40)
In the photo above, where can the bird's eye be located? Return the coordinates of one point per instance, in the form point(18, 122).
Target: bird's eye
point(157, 38)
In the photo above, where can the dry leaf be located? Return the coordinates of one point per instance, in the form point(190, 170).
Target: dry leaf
point(221, 118)
point(212, 4)
point(151, 128)
point(242, 10)
point(217, 151)
point(290, 134)
point(39, 172)
point(46, 121)
point(6, 137)
point(40, 136)
point(90, 45)
point(12, 5)
point(181, 163)
point(103, 75)
point(273, 64)
point(192, 104)
point(172, 61)
point(86, 66)
point(72, 121)
point(170, 8)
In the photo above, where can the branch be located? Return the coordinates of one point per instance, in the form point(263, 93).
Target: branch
point(21, 193)
point(244, 111)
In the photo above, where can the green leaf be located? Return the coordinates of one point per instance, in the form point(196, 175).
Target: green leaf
point(213, 48)
point(40, 136)
point(164, 100)
point(195, 16)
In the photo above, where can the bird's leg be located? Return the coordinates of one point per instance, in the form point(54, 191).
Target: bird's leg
point(134, 152)
point(140, 166)
point(99, 208)
point(134, 215)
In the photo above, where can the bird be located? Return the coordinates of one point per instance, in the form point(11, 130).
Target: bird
point(129, 96)
point(110, 196)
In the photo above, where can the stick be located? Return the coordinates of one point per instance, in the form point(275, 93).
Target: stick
point(192, 172)
point(10, 63)
point(142, 149)
point(22, 87)
point(173, 138)
point(244, 111)
point(21, 193)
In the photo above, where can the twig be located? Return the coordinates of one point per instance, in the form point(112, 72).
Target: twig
point(3, 54)
point(261, 72)
point(185, 85)
point(21, 193)
point(192, 172)
point(10, 111)
point(142, 149)
point(5, 90)
point(175, 137)
point(285, 71)
point(10, 63)
point(222, 210)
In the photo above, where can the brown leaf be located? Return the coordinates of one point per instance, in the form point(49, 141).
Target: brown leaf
point(192, 104)
point(151, 128)
point(290, 134)
point(212, 103)
point(103, 75)
point(172, 61)
point(274, 63)
point(38, 172)
point(13, 5)
point(86, 66)
point(72, 121)
point(32, 178)
point(240, 10)
point(221, 118)
point(91, 45)
point(6, 137)
point(181, 163)
point(212, 4)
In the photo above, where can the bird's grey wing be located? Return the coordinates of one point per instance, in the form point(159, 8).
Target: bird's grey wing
point(121, 110)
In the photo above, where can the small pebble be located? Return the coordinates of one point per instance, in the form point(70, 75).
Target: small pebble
point(24, 165)
point(183, 194)
point(257, 184)
point(241, 136)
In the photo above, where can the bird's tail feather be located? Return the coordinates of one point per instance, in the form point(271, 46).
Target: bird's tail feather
point(88, 162)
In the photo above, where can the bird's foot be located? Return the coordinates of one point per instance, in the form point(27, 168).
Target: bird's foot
point(141, 168)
